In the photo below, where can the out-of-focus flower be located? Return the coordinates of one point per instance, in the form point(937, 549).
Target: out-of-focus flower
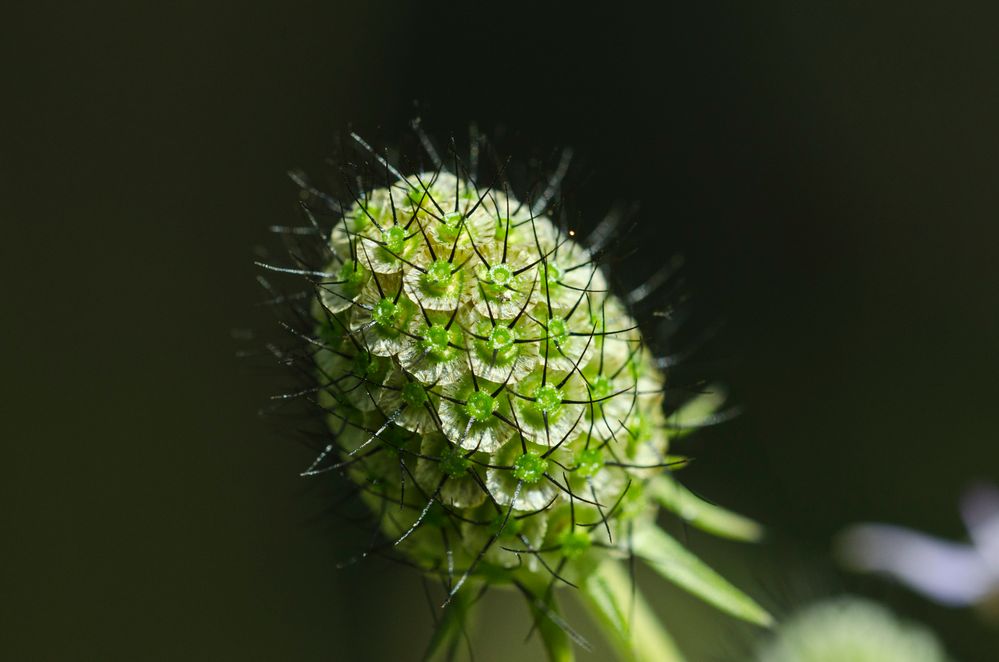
point(850, 630)
point(950, 573)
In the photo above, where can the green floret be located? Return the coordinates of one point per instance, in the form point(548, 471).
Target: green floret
point(480, 406)
point(530, 468)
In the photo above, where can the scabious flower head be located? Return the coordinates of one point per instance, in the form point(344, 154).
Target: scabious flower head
point(494, 402)
point(473, 350)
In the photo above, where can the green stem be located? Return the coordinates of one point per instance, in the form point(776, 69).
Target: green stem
point(625, 617)
point(451, 628)
point(557, 644)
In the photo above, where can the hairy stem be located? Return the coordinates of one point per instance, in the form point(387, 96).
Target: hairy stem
point(625, 618)
point(452, 627)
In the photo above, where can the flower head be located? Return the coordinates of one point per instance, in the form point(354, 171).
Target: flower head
point(493, 400)
point(469, 320)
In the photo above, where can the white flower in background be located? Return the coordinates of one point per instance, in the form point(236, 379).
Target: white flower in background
point(950, 573)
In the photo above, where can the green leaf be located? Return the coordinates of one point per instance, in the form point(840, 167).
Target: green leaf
point(676, 564)
point(625, 618)
point(704, 515)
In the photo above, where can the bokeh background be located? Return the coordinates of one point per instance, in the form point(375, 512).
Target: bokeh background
point(828, 170)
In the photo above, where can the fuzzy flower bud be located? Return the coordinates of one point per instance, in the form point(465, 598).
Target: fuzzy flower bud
point(497, 409)
point(850, 629)
point(473, 349)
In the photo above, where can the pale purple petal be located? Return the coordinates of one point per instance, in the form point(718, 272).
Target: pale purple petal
point(980, 509)
point(945, 572)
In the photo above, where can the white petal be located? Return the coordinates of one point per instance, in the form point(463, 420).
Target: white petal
point(946, 572)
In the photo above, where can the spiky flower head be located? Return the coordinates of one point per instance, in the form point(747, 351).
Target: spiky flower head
point(493, 400)
point(473, 350)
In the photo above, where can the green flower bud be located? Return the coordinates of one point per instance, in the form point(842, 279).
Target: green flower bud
point(495, 402)
point(850, 629)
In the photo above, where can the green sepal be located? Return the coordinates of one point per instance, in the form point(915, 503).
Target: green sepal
point(672, 561)
point(677, 462)
point(704, 515)
point(625, 618)
point(696, 413)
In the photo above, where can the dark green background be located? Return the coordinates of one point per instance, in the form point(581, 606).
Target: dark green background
point(829, 170)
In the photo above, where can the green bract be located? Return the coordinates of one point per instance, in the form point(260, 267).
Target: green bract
point(499, 411)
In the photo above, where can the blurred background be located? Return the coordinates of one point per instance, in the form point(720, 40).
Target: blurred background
point(828, 171)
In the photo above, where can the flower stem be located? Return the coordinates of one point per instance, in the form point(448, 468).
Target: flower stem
point(452, 627)
point(625, 617)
